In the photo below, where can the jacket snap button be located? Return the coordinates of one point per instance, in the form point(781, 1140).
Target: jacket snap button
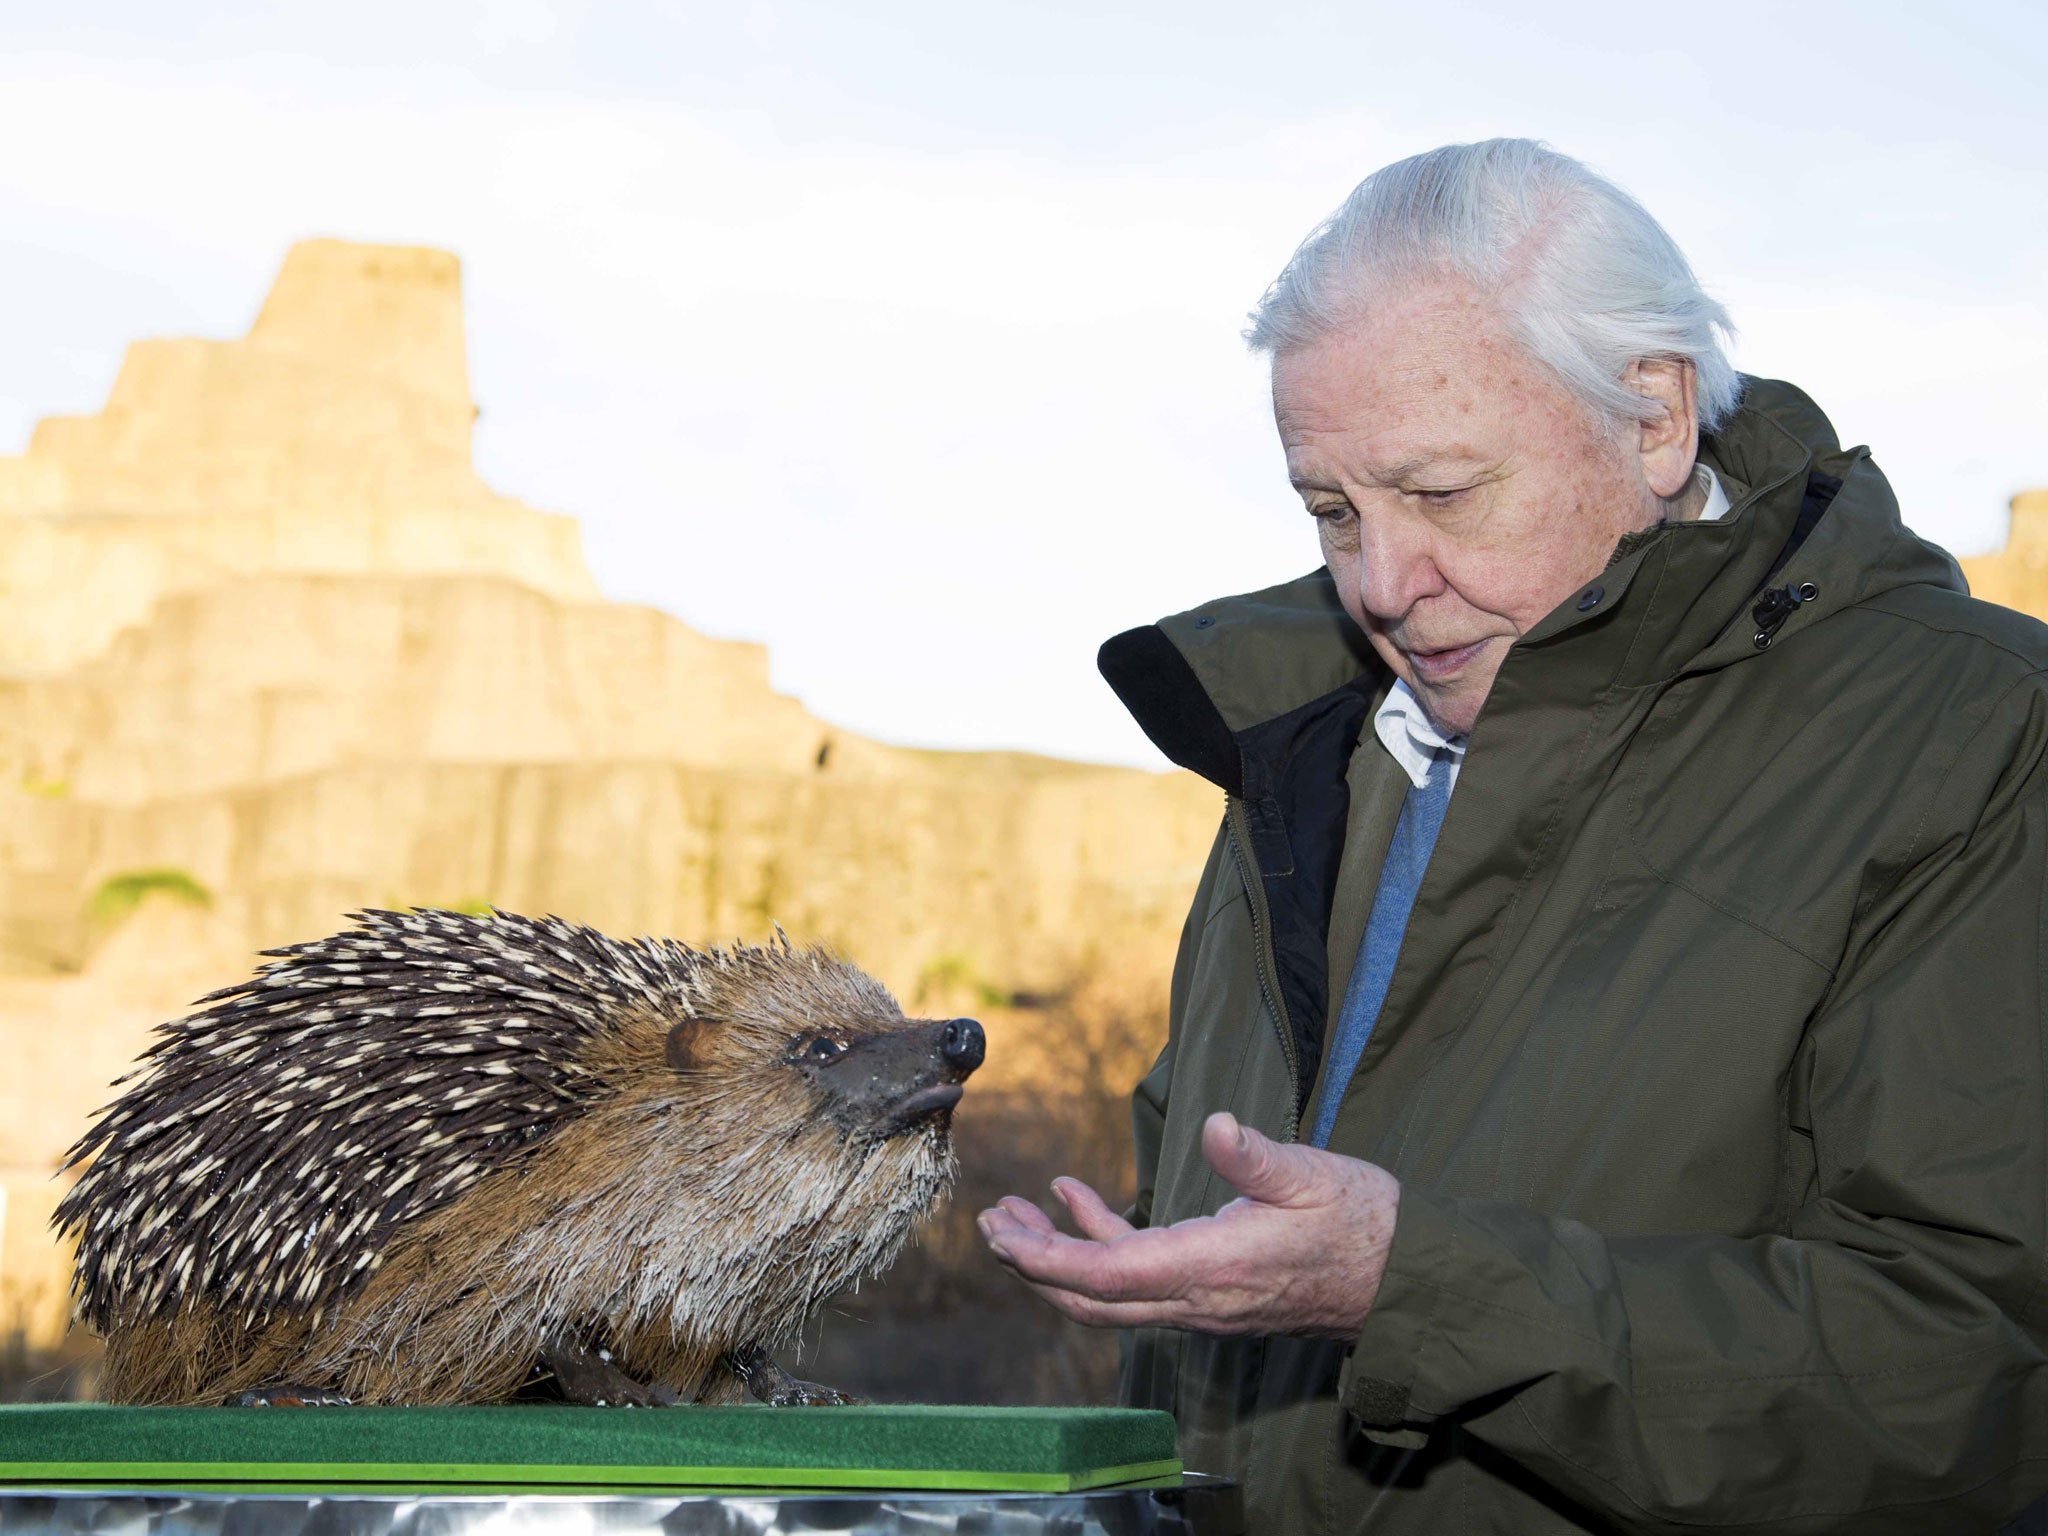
point(1590, 598)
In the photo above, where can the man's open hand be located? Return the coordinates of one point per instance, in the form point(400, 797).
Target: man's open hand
point(1300, 1252)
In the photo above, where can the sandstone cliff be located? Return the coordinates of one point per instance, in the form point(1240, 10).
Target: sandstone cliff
point(2017, 575)
point(275, 652)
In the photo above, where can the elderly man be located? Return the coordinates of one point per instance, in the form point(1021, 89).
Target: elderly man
point(1605, 1082)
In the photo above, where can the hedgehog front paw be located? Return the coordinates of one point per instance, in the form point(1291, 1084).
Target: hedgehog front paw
point(771, 1384)
point(583, 1374)
point(282, 1396)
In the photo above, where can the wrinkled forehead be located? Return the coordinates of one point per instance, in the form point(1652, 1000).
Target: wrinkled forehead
point(1427, 376)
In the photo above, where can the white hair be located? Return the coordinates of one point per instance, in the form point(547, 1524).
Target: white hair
point(1583, 276)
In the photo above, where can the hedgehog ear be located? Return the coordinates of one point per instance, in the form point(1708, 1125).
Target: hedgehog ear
point(684, 1039)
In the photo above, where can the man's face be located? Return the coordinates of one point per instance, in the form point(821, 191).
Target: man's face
point(1460, 492)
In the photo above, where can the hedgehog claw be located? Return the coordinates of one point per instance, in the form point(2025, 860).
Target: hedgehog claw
point(586, 1375)
point(809, 1394)
point(771, 1384)
point(287, 1397)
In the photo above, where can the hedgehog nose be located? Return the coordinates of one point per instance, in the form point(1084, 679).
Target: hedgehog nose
point(962, 1044)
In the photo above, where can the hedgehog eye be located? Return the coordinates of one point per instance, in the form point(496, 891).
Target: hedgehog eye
point(823, 1049)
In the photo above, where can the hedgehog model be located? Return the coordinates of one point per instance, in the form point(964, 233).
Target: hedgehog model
point(449, 1159)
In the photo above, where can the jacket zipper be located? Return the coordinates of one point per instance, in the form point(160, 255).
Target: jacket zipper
point(1265, 965)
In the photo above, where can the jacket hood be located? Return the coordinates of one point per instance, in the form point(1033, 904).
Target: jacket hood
point(1230, 685)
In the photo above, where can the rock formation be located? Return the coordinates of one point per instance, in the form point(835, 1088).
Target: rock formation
point(2017, 575)
point(275, 652)
point(334, 438)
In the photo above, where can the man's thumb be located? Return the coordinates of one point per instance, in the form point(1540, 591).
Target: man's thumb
point(1256, 1166)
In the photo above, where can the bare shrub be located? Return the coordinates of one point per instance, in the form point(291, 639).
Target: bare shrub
point(66, 1372)
point(948, 1324)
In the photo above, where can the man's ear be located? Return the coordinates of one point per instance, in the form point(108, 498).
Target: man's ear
point(1670, 443)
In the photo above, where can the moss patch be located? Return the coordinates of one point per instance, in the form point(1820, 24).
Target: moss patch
point(119, 895)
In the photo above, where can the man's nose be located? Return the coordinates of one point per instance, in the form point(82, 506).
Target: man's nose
point(1396, 564)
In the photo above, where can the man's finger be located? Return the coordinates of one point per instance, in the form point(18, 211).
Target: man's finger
point(1257, 1167)
point(1140, 1266)
point(1027, 1212)
point(1000, 1228)
point(1090, 1212)
point(1094, 1313)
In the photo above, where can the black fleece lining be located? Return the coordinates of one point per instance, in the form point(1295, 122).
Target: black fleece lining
point(1821, 491)
point(1168, 701)
point(1297, 801)
point(1290, 773)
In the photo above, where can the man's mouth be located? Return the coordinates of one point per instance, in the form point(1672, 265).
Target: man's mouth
point(1441, 665)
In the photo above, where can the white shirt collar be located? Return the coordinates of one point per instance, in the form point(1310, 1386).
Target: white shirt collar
point(1404, 727)
point(1717, 497)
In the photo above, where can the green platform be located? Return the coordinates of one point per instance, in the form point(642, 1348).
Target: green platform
point(541, 1446)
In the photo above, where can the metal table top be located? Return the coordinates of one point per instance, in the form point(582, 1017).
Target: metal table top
point(1200, 1506)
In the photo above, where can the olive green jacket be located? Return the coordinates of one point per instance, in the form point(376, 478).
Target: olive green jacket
point(1712, 1066)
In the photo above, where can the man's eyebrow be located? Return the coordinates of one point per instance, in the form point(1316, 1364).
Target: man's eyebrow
point(1394, 474)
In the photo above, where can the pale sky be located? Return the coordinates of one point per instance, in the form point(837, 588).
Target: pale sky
point(905, 337)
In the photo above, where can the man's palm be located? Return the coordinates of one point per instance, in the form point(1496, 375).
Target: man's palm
point(1300, 1251)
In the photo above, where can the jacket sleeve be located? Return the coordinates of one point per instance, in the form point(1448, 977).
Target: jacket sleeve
point(1877, 1364)
point(1148, 1099)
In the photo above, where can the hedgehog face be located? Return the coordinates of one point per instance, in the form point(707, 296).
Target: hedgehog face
point(889, 1084)
point(865, 1069)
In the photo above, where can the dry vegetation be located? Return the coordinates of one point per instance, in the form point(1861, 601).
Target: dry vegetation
point(947, 1324)
point(29, 1374)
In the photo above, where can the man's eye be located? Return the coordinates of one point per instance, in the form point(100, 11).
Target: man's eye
point(1337, 530)
point(1438, 498)
point(1330, 511)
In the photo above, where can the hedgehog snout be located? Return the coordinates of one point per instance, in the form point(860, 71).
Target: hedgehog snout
point(962, 1045)
point(901, 1080)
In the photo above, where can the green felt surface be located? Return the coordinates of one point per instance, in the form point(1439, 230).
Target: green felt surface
point(1045, 1449)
